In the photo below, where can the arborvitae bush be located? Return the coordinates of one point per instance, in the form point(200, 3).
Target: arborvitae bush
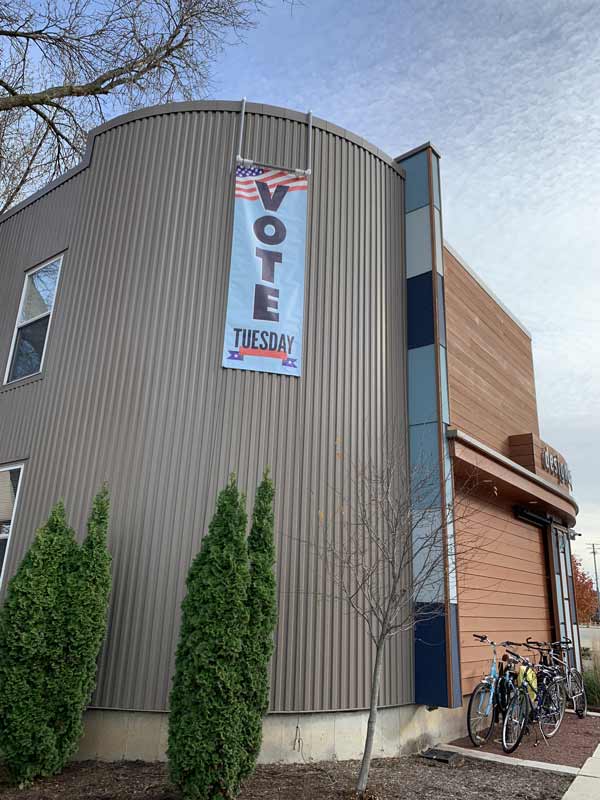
point(51, 627)
point(206, 720)
point(262, 607)
point(32, 651)
point(86, 622)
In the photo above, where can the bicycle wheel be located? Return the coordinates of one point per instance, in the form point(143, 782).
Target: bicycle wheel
point(552, 709)
point(514, 721)
point(504, 690)
point(480, 714)
point(577, 694)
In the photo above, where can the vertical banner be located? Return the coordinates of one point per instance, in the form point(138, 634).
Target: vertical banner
point(265, 305)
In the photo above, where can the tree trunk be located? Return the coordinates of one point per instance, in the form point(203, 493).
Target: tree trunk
point(363, 776)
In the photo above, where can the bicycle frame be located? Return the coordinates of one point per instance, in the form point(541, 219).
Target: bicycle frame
point(540, 691)
point(548, 650)
point(492, 680)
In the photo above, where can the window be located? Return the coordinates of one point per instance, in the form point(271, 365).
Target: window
point(33, 321)
point(9, 491)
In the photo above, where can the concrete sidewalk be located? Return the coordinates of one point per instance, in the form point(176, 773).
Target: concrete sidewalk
point(586, 785)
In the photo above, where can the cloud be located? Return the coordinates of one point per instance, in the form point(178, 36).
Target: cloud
point(510, 94)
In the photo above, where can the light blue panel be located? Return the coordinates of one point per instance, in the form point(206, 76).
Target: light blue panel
point(425, 466)
point(417, 181)
point(418, 242)
point(453, 592)
point(435, 165)
point(439, 254)
point(428, 557)
point(422, 388)
point(444, 386)
point(449, 485)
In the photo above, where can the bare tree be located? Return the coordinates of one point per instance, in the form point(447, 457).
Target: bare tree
point(395, 553)
point(64, 64)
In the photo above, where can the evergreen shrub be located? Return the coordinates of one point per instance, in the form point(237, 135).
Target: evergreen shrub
point(262, 608)
point(206, 743)
point(52, 625)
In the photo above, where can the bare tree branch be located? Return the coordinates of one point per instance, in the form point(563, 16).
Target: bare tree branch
point(398, 552)
point(64, 64)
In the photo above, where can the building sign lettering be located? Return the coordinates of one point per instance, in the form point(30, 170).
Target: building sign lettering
point(557, 467)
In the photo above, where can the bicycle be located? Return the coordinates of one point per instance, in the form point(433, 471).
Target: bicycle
point(490, 697)
point(573, 680)
point(540, 697)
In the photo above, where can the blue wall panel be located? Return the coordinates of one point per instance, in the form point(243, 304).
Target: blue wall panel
point(421, 331)
point(417, 181)
point(431, 683)
point(422, 403)
point(436, 635)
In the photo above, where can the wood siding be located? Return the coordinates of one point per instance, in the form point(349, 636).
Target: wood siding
point(502, 584)
point(526, 449)
point(490, 367)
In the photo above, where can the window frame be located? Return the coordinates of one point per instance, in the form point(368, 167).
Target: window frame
point(20, 465)
point(18, 325)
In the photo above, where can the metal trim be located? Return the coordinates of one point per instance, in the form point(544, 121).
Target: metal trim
point(419, 149)
point(195, 106)
point(238, 157)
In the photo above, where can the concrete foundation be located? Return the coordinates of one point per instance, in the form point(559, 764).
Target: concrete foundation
point(287, 738)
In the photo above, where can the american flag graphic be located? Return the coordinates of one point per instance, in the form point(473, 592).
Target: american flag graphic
point(246, 177)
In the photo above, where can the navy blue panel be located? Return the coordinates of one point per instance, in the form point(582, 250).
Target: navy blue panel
point(420, 310)
point(431, 685)
point(441, 309)
point(417, 181)
point(456, 693)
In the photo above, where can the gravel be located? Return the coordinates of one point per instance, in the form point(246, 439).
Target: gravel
point(408, 777)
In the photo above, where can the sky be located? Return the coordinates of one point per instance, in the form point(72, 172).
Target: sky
point(509, 93)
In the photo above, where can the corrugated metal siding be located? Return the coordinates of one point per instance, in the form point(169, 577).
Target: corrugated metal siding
point(133, 390)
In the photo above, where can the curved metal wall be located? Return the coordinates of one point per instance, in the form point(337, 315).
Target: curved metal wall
point(133, 391)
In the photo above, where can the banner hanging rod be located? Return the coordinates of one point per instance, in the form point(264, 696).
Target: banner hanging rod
point(249, 162)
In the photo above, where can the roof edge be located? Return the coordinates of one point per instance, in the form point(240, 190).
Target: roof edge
point(485, 287)
point(192, 106)
point(419, 149)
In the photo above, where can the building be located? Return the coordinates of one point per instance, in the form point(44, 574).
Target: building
point(115, 281)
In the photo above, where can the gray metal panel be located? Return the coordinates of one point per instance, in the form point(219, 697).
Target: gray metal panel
point(133, 391)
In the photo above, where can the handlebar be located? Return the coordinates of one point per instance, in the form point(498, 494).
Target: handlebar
point(541, 647)
point(564, 642)
point(483, 638)
point(519, 657)
point(529, 642)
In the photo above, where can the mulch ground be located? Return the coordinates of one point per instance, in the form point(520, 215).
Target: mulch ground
point(575, 742)
point(408, 778)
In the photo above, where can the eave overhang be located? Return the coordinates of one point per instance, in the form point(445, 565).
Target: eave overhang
point(516, 483)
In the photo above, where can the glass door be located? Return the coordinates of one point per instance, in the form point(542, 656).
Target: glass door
point(565, 591)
